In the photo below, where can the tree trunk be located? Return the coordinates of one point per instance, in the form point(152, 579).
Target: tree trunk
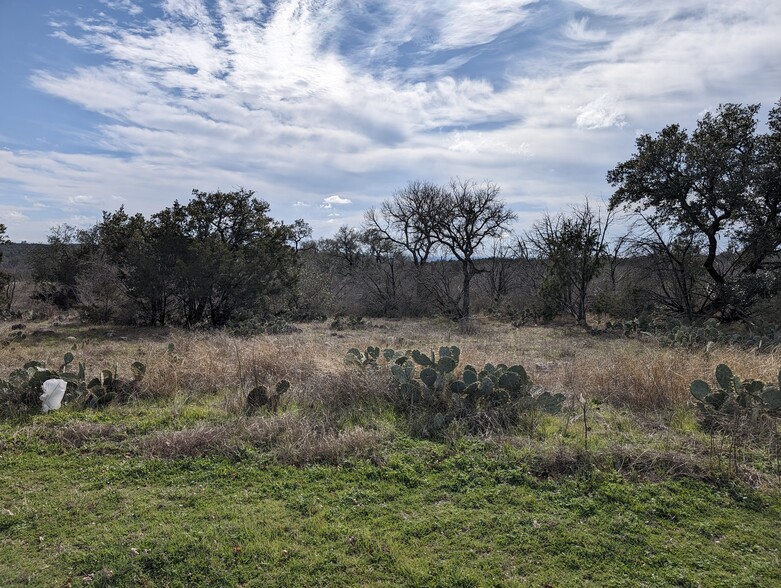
point(465, 302)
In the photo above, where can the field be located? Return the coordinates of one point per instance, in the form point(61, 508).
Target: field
point(179, 486)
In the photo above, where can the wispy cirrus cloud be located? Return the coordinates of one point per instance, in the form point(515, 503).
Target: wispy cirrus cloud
point(297, 99)
point(578, 30)
point(127, 5)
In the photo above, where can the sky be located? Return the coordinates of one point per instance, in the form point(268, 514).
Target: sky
point(326, 107)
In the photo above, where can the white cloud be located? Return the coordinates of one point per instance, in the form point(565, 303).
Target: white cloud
point(127, 5)
point(194, 10)
point(81, 199)
point(601, 113)
point(476, 22)
point(336, 199)
point(578, 30)
point(293, 100)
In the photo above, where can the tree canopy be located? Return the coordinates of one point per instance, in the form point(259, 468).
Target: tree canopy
point(215, 258)
point(721, 183)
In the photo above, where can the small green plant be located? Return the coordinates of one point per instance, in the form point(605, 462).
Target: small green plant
point(342, 323)
point(742, 412)
point(733, 393)
point(371, 357)
point(255, 325)
point(671, 332)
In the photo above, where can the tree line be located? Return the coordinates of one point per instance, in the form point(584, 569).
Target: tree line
point(703, 239)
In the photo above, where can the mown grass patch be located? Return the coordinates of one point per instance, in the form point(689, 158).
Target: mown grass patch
point(431, 514)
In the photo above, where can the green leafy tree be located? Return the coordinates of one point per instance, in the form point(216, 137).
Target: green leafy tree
point(217, 257)
point(244, 253)
point(55, 267)
point(145, 258)
point(572, 249)
point(721, 183)
point(301, 236)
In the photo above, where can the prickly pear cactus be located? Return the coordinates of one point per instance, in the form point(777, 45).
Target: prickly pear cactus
point(257, 399)
point(733, 392)
point(431, 384)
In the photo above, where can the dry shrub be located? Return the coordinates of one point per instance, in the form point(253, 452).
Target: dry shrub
point(296, 439)
point(641, 462)
point(634, 461)
point(342, 394)
point(199, 364)
point(78, 433)
point(73, 434)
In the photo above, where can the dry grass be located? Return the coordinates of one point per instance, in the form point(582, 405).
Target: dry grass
point(642, 462)
point(78, 433)
point(646, 377)
point(73, 434)
point(201, 441)
point(639, 375)
point(289, 438)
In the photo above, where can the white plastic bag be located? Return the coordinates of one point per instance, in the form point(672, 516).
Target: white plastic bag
point(53, 391)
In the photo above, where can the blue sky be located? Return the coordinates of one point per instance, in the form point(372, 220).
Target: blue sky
point(325, 107)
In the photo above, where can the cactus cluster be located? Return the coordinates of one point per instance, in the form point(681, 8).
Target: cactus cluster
point(254, 325)
point(762, 336)
point(432, 382)
point(732, 393)
point(260, 397)
point(372, 355)
point(20, 392)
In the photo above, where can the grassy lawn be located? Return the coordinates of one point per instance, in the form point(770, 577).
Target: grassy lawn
point(180, 489)
point(430, 515)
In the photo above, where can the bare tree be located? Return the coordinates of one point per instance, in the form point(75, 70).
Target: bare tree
point(455, 221)
point(408, 219)
point(501, 269)
point(674, 259)
point(469, 214)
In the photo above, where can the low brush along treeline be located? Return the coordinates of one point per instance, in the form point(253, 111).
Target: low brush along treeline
point(705, 211)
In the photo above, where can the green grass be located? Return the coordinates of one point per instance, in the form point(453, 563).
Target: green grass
point(652, 501)
point(467, 513)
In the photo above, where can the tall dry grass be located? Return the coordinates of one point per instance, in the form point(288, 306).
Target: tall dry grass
point(647, 377)
point(638, 375)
